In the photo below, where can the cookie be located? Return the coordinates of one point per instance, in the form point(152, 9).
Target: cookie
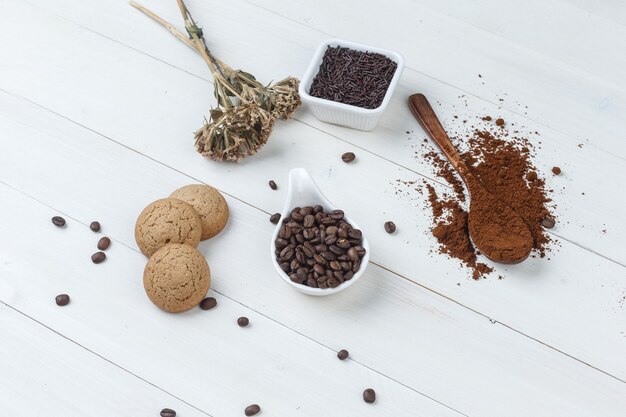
point(167, 221)
point(176, 278)
point(209, 204)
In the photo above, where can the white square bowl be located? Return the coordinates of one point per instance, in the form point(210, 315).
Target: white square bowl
point(346, 114)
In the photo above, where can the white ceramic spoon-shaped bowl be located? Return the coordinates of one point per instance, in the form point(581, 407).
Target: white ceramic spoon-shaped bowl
point(304, 192)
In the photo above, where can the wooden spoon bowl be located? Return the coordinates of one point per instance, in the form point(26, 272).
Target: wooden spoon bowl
point(496, 230)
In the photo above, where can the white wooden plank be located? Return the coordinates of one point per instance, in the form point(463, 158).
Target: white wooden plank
point(582, 220)
point(559, 31)
point(391, 326)
point(587, 108)
point(42, 373)
point(563, 282)
point(614, 10)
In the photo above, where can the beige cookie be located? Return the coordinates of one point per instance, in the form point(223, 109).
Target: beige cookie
point(176, 278)
point(167, 221)
point(209, 204)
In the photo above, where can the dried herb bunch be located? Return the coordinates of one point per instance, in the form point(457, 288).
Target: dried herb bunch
point(246, 109)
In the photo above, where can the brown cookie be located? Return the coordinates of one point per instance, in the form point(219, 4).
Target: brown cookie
point(209, 204)
point(176, 278)
point(164, 221)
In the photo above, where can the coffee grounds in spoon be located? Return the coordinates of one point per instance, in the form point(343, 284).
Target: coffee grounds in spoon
point(501, 160)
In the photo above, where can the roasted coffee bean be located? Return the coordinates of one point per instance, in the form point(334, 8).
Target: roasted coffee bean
point(58, 221)
point(273, 185)
point(342, 258)
point(336, 214)
point(348, 275)
point(355, 234)
point(369, 396)
point(309, 220)
point(294, 278)
point(307, 251)
point(343, 354)
point(319, 269)
point(243, 321)
point(308, 233)
point(98, 257)
point(329, 256)
point(95, 226)
point(275, 218)
point(352, 254)
point(301, 273)
point(348, 157)
point(301, 257)
point(284, 266)
point(342, 233)
point(345, 266)
point(331, 230)
point(390, 227)
point(321, 248)
point(104, 243)
point(312, 282)
point(333, 283)
point(323, 285)
point(356, 265)
point(168, 412)
point(338, 276)
point(306, 210)
point(208, 303)
point(328, 221)
point(318, 208)
point(336, 250)
point(62, 300)
point(294, 264)
point(330, 239)
point(360, 250)
point(252, 410)
point(335, 265)
point(310, 262)
point(300, 239)
point(281, 243)
point(548, 222)
point(343, 243)
point(297, 217)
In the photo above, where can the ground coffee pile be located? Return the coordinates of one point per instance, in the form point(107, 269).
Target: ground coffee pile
point(502, 161)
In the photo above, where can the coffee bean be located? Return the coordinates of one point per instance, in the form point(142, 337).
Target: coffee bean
point(390, 227)
point(348, 157)
point(307, 251)
point(548, 222)
point(333, 283)
point(104, 243)
point(58, 221)
point(98, 257)
point(62, 300)
point(556, 170)
point(275, 218)
point(311, 282)
point(306, 210)
point(352, 254)
point(168, 412)
point(208, 303)
point(285, 266)
point(369, 396)
point(343, 354)
point(309, 220)
point(360, 250)
point(94, 226)
point(336, 214)
point(297, 217)
point(281, 243)
point(273, 185)
point(500, 122)
point(252, 410)
point(243, 321)
point(336, 250)
point(343, 243)
point(348, 275)
point(329, 256)
point(334, 265)
point(355, 234)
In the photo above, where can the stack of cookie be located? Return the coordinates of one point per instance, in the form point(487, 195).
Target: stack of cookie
point(168, 231)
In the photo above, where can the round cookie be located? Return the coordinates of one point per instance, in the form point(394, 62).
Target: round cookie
point(176, 278)
point(164, 221)
point(209, 204)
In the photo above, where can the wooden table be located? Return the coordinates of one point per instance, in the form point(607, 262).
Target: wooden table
point(98, 106)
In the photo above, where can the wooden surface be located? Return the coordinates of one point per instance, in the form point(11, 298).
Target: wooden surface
point(97, 109)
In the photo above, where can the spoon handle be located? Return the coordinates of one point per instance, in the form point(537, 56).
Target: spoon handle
point(423, 112)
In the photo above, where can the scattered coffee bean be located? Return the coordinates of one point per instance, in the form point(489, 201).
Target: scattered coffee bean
point(343, 354)
point(556, 170)
point(531, 176)
point(58, 221)
point(548, 222)
point(243, 321)
point(390, 227)
point(98, 257)
point(348, 157)
point(252, 410)
point(369, 396)
point(95, 226)
point(273, 185)
point(318, 249)
point(208, 303)
point(168, 412)
point(104, 243)
point(275, 218)
point(500, 122)
point(62, 300)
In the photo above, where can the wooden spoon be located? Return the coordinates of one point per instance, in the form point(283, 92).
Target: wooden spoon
point(496, 230)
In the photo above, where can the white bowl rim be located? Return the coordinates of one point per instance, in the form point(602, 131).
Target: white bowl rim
point(313, 69)
point(303, 173)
